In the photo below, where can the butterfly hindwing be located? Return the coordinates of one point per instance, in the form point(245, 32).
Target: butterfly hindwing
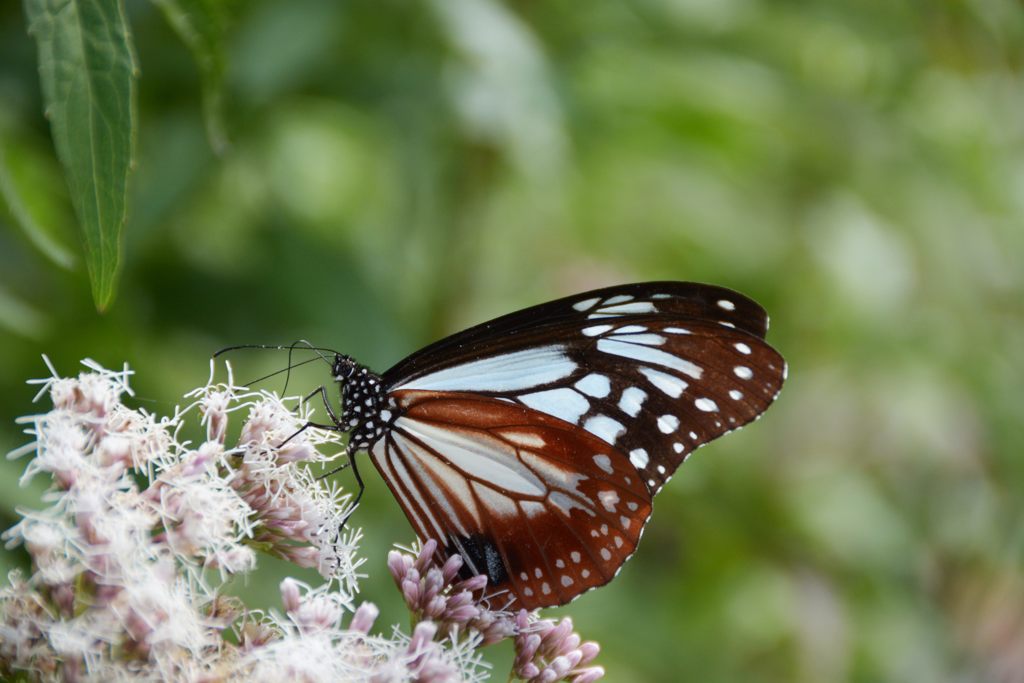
point(546, 510)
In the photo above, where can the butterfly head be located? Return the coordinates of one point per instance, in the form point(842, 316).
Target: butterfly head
point(363, 401)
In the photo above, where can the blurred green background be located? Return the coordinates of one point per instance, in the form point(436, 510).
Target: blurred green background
point(397, 171)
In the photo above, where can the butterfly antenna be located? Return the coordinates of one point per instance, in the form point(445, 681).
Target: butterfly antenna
point(287, 370)
point(301, 344)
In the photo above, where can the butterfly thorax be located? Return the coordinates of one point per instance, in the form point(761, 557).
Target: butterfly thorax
point(365, 412)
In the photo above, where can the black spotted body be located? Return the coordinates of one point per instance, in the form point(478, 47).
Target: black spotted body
point(366, 409)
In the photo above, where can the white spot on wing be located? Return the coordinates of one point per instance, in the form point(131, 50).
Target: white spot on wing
point(630, 329)
point(726, 305)
point(604, 427)
point(595, 330)
point(670, 384)
point(649, 355)
point(497, 505)
point(604, 462)
point(533, 509)
point(585, 304)
point(567, 504)
point(645, 339)
point(743, 372)
point(635, 307)
point(668, 424)
point(507, 372)
point(735, 395)
point(609, 499)
point(706, 405)
point(742, 348)
point(639, 458)
point(565, 404)
point(617, 299)
point(594, 385)
point(524, 439)
point(676, 330)
point(632, 401)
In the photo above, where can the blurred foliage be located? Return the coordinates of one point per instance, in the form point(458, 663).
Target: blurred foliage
point(395, 171)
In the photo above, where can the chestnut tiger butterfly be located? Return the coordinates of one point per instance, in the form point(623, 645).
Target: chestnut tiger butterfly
point(533, 444)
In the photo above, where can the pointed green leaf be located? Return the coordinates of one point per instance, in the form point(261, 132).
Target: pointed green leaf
point(87, 69)
point(201, 25)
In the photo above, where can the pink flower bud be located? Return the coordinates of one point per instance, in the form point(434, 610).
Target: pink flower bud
point(589, 675)
point(362, 620)
point(290, 595)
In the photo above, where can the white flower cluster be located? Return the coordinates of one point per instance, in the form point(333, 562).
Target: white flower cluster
point(143, 529)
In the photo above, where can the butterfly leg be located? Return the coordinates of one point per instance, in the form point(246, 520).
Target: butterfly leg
point(322, 391)
point(335, 425)
point(359, 479)
point(359, 494)
point(317, 425)
point(355, 471)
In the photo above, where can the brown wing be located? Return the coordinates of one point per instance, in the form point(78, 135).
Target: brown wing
point(545, 509)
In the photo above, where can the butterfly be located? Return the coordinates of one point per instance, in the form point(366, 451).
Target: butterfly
point(533, 444)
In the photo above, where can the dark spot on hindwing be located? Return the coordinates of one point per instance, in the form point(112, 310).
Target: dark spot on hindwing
point(482, 557)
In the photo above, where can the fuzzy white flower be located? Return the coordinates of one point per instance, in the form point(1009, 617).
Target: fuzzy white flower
point(142, 530)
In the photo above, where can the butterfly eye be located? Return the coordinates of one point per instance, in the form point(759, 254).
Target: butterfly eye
point(343, 368)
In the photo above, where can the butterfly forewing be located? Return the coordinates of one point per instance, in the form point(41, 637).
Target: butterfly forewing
point(678, 300)
point(546, 510)
point(654, 387)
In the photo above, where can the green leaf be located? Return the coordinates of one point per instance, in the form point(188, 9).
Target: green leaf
point(201, 25)
point(87, 69)
point(31, 189)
